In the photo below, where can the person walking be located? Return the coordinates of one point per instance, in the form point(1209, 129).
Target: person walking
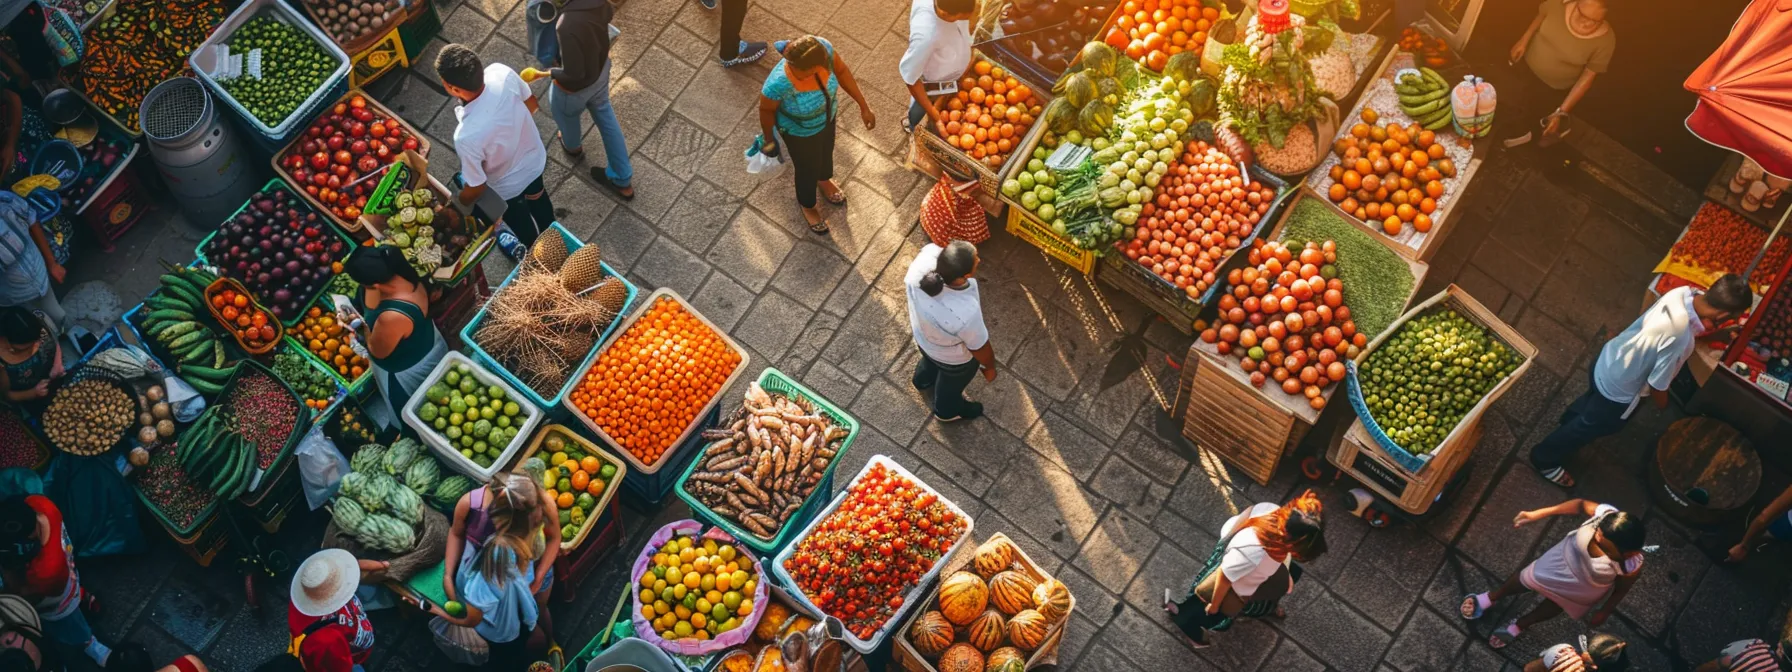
point(1751, 655)
point(732, 50)
point(133, 657)
point(945, 314)
point(497, 580)
point(1567, 45)
point(329, 628)
point(27, 264)
point(499, 146)
point(1641, 362)
point(1252, 568)
point(1603, 652)
point(582, 84)
point(1590, 569)
point(30, 356)
point(939, 52)
point(798, 105)
point(403, 344)
point(37, 562)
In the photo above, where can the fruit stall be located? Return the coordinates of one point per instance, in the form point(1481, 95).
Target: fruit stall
point(1759, 361)
point(1716, 241)
point(987, 120)
point(995, 610)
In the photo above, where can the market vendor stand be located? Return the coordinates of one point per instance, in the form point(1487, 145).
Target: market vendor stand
point(931, 155)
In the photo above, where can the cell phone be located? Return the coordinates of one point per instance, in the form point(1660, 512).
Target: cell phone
point(423, 603)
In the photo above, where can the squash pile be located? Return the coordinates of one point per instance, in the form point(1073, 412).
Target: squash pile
point(991, 616)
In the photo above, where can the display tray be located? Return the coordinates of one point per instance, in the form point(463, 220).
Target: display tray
point(273, 184)
point(1718, 191)
point(920, 588)
point(203, 62)
point(945, 157)
point(1047, 654)
point(451, 455)
point(586, 446)
point(423, 144)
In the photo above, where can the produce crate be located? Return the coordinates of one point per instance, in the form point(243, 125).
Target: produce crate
point(1167, 299)
point(1025, 225)
point(301, 424)
point(423, 23)
point(204, 538)
point(1047, 654)
point(273, 185)
point(360, 45)
point(423, 144)
point(278, 494)
point(572, 567)
point(450, 455)
point(551, 403)
point(648, 479)
point(384, 56)
point(34, 444)
point(775, 381)
point(354, 387)
point(1453, 298)
point(605, 503)
point(468, 261)
point(929, 153)
point(1356, 454)
point(777, 594)
point(203, 62)
point(922, 587)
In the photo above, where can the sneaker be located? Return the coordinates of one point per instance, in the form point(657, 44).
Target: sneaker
point(972, 411)
point(507, 242)
point(749, 52)
point(708, 4)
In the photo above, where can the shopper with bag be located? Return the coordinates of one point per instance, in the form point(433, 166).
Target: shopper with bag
point(329, 628)
point(945, 314)
point(797, 110)
point(582, 84)
point(1251, 569)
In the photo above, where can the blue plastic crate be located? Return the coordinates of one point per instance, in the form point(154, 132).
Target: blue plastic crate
point(652, 488)
point(550, 404)
point(1353, 389)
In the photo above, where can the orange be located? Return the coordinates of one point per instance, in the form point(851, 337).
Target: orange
point(1405, 212)
point(1391, 226)
point(595, 487)
point(591, 464)
point(580, 479)
point(564, 501)
point(240, 301)
point(1428, 206)
point(982, 67)
point(1421, 223)
point(1434, 189)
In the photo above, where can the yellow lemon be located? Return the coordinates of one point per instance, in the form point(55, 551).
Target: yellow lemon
point(682, 629)
point(684, 543)
point(674, 575)
point(724, 581)
point(703, 606)
point(701, 564)
point(660, 607)
point(693, 580)
point(746, 609)
point(747, 588)
point(686, 555)
point(647, 579)
point(646, 596)
point(678, 593)
point(740, 579)
point(726, 552)
point(682, 612)
point(558, 457)
point(647, 611)
point(709, 582)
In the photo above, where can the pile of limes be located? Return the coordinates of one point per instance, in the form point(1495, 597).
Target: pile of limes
point(697, 589)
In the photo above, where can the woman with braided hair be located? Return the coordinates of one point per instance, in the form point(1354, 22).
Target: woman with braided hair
point(1252, 568)
point(797, 109)
point(503, 545)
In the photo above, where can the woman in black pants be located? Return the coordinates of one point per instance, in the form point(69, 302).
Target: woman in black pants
point(733, 50)
point(798, 104)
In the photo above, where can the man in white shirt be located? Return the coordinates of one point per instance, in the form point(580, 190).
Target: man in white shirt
point(939, 52)
point(500, 149)
point(946, 316)
point(1641, 362)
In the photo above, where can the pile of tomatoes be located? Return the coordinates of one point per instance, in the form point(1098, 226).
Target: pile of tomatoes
point(1151, 31)
point(651, 382)
point(860, 562)
point(353, 140)
point(1203, 210)
point(251, 324)
point(1718, 240)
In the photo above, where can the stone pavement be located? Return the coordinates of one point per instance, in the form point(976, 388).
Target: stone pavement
point(1077, 459)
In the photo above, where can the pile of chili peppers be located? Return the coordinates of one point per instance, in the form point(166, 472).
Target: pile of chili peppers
point(141, 44)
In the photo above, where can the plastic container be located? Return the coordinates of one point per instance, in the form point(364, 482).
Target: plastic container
point(650, 489)
point(553, 402)
point(584, 445)
point(423, 144)
point(921, 587)
point(774, 381)
point(204, 62)
point(450, 455)
point(277, 184)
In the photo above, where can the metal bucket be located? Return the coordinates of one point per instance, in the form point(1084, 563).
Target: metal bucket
point(198, 156)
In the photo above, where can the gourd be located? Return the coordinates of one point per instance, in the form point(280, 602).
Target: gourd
point(367, 458)
point(1012, 591)
point(987, 632)
point(422, 475)
point(961, 657)
point(1027, 630)
point(931, 634)
point(1052, 600)
point(963, 597)
point(996, 555)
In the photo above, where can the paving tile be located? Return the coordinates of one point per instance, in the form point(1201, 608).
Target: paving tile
point(877, 255)
point(1331, 631)
point(869, 443)
point(691, 47)
point(717, 97)
point(1104, 657)
point(1557, 346)
point(515, 27)
point(1376, 593)
point(1428, 643)
point(723, 301)
point(1516, 272)
point(885, 176)
point(1163, 461)
point(1056, 358)
point(1011, 311)
point(810, 273)
point(871, 337)
point(499, 49)
point(665, 264)
point(750, 250)
point(1491, 540)
point(772, 324)
point(1079, 632)
point(832, 384)
point(415, 99)
point(624, 236)
point(1046, 502)
point(1011, 403)
point(638, 108)
point(655, 191)
point(1634, 252)
point(867, 21)
point(193, 612)
point(855, 226)
point(1476, 657)
point(897, 412)
point(1524, 403)
point(1344, 534)
point(1060, 441)
point(680, 147)
point(1288, 657)
point(1406, 553)
point(1674, 571)
point(1546, 213)
point(468, 26)
point(1205, 497)
point(974, 454)
point(1581, 274)
point(1479, 284)
point(700, 213)
point(1177, 529)
point(1244, 647)
point(1451, 515)
point(662, 72)
point(492, 8)
point(1168, 568)
point(1151, 647)
point(1459, 577)
point(1728, 601)
point(809, 344)
point(889, 107)
point(1128, 488)
point(725, 163)
point(1117, 549)
point(578, 204)
point(1106, 405)
point(424, 64)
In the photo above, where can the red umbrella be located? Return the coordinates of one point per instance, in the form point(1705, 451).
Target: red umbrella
point(1745, 88)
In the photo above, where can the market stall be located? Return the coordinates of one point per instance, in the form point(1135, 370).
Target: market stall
point(995, 610)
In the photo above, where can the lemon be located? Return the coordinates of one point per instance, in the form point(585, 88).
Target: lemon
point(709, 582)
point(647, 579)
point(709, 545)
point(740, 579)
point(659, 585)
point(726, 553)
point(724, 581)
point(701, 564)
point(660, 607)
point(646, 596)
point(671, 548)
point(684, 543)
point(703, 605)
point(558, 458)
point(678, 592)
point(682, 611)
point(714, 597)
point(674, 575)
point(747, 588)
point(732, 600)
point(693, 580)
point(647, 612)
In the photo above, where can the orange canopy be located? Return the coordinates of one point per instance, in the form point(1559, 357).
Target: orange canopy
point(1745, 88)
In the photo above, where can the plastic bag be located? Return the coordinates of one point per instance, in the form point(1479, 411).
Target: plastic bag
point(758, 163)
point(459, 643)
point(321, 466)
point(186, 401)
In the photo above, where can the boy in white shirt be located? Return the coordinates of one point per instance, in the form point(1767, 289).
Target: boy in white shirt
point(939, 52)
point(500, 149)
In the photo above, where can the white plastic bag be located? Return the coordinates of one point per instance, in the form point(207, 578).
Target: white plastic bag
point(186, 401)
point(321, 466)
point(757, 161)
point(459, 643)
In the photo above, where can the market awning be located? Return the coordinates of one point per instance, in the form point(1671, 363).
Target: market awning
point(1745, 88)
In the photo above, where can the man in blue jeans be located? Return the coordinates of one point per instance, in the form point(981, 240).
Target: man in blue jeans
point(582, 83)
point(1641, 362)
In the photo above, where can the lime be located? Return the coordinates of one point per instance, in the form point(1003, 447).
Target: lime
point(455, 609)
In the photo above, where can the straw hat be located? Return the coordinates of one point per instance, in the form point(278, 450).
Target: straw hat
point(325, 582)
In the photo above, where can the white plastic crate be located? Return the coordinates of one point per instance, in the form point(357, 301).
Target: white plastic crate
point(439, 443)
point(205, 63)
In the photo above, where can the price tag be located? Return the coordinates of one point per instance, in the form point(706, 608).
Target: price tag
point(1068, 157)
point(1773, 385)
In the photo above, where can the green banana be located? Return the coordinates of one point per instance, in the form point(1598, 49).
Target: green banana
point(207, 373)
point(1433, 76)
point(1427, 108)
point(196, 355)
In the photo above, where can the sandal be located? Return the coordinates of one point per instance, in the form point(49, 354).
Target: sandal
point(836, 198)
point(560, 140)
point(1472, 608)
point(603, 180)
point(1558, 476)
point(1504, 636)
point(818, 227)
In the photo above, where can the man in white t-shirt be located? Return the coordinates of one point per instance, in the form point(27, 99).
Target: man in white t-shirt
point(939, 52)
point(1639, 363)
point(499, 147)
point(946, 315)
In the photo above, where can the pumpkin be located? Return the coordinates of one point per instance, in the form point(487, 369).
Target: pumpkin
point(986, 633)
point(1016, 665)
point(1027, 630)
point(994, 556)
point(1001, 657)
point(1052, 600)
point(963, 597)
point(931, 634)
point(1011, 591)
point(961, 658)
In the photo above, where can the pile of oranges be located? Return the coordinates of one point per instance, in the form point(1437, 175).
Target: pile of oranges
point(650, 384)
point(1151, 31)
point(327, 338)
point(1389, 174)
point(250, 323)
point(990, 114)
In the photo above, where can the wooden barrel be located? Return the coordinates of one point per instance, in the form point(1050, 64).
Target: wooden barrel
point(1704, 471)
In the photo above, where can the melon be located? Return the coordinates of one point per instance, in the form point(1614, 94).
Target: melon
point(931, 634)
point(961, 658)
point(987, 632)
point(1052, 600)
point(1000, 658)
point(963, 597)
point(993, 556)
point(1011, 591)
point(1015, 665)
point(1027, 630)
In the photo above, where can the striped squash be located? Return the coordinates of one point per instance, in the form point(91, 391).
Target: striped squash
point(1011, 591)
point(963, 597)
point(987, 632)
point(1027, 630)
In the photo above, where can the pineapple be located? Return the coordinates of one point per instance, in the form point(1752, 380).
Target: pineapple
point(549, 250)
point(612, 295)
point(581, 270)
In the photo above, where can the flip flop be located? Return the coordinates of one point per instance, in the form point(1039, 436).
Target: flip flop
point(603, 180)
point(1472, 607)
point(1504, 636)
point(838, 197)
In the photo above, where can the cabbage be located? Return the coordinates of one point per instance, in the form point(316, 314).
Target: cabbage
point(1011, 188)
point(1183, 67)
point(1099, 58)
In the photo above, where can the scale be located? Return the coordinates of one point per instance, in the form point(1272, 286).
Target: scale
point(63, 108)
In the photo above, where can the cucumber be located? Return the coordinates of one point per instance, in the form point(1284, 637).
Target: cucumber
point(158, 301)
point(168, 314)
point(208, 373)
point(182, 294)
point(184, 281)
point(204, 387)
point(217, 355)
point(196, 355)
point(173, 330)
point(189, 337)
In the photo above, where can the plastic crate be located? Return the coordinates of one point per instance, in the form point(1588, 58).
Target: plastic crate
point(450, 455)
point(352, 387)
point(423, 144)
point(203, 63)
point(775, 381)
point(584, 445)
point(553, 403)
point(40, 446)
point(912, 598)
point(1027, 227)
point(301, 424)
point(280, 185)
point(648, 474)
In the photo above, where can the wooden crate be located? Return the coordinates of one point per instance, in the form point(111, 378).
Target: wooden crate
point(423, 144)
point(1358, 455)
point(1222, 412)
point(930, 154)
point(1047, 654)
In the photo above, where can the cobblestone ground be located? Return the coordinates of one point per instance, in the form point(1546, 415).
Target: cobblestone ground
point(1077, 459)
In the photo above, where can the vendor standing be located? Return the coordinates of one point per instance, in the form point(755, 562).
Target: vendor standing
point(27, 264)
point(939, 52)
point(1567, 45)
point(402, 342)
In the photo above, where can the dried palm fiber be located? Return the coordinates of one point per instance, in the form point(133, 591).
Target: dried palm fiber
point(539, 330)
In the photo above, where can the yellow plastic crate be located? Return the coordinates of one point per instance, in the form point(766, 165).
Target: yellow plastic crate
point(1028, 228)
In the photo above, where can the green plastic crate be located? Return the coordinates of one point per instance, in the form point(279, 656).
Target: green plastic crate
point(278, 184)
point(776, 382)
point(301, 423)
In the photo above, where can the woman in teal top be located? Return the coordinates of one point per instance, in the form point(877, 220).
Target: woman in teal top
point(798, 104)
point(402, 342)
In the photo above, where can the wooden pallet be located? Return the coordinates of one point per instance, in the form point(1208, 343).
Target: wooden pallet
point(1223, 413)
